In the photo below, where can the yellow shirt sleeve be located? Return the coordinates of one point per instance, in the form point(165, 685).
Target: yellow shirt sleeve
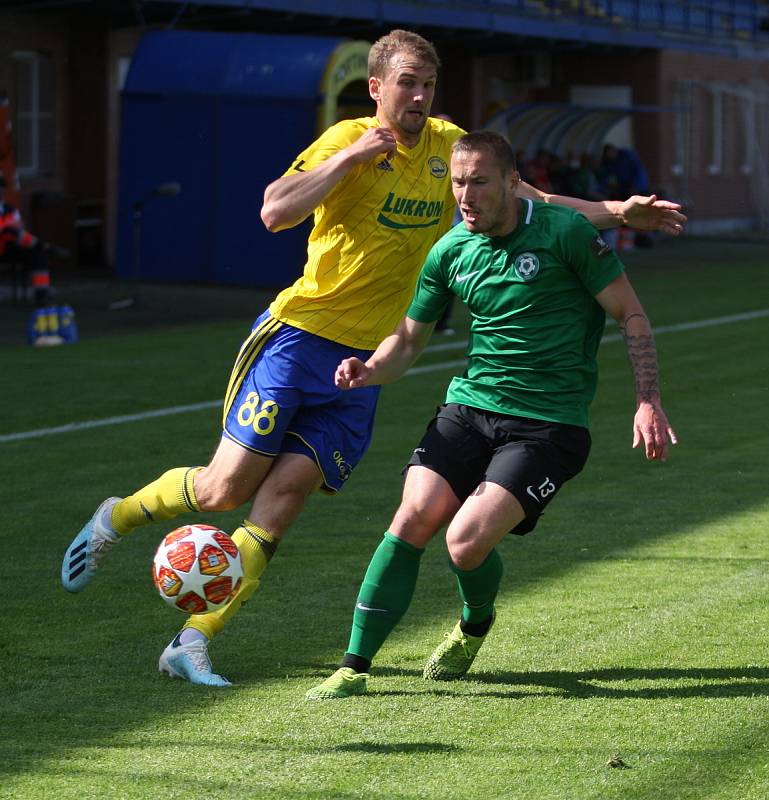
point(334, 139)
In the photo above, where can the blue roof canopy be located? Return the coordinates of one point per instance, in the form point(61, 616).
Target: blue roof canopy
point(222, 64)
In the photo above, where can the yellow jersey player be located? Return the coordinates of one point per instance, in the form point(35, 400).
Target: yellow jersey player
point(395, 205)
point(381, 196)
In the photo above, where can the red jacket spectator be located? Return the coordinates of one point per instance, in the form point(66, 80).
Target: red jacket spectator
point(19, 246)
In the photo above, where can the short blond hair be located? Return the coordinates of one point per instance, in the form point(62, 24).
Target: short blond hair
point(399, 41)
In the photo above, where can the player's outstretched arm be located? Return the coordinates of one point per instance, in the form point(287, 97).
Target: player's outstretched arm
point(650, 424)
point(291, 199)
point(390, 360)
point(646, 213)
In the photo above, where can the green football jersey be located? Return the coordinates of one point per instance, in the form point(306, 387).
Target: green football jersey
point(535, 324)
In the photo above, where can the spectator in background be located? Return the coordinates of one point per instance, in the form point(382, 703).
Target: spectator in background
point(583, 181)
point(621, 173)
point(18, 246)
point(538, 171)
point(561, 168)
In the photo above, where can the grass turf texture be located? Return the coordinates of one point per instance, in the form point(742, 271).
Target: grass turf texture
point(631, 627)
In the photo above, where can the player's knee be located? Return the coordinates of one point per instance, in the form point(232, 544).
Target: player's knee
point(465, 553)
point(416, 523)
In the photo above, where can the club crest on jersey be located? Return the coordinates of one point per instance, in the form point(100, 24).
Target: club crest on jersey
point(438, 167)
point(526, 266)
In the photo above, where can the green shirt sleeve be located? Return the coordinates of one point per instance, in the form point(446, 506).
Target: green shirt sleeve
point(585, 251)
point(432, 294)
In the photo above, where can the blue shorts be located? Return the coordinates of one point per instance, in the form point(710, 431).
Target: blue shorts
point(281, 398)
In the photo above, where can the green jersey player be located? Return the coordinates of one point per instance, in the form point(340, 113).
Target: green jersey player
point(538, 281)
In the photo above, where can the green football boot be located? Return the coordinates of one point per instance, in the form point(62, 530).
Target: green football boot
point(454, 655)
point(345, 682)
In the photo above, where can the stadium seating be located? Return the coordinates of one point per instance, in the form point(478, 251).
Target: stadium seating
point(698, 19)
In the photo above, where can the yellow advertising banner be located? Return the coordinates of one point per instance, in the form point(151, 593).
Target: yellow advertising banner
point(347, 65)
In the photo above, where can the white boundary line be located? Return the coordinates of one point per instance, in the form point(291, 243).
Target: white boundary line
point(100, 423)
point(456, 345)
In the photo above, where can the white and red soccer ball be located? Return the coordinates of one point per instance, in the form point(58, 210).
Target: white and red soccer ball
point(197, 569)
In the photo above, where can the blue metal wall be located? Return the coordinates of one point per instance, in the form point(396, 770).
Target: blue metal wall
point(222, 115)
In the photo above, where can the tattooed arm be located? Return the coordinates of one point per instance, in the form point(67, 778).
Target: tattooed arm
point(650, 424)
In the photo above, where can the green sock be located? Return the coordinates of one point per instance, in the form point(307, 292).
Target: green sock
point(478, 588)
point(384, 595)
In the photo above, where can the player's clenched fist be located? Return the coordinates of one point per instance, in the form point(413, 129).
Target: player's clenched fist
point(352, 373)
point(373, 142)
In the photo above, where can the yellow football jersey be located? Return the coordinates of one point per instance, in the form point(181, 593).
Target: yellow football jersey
point(371, 235)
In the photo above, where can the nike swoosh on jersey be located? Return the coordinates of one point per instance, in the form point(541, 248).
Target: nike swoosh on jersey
point(461, 278)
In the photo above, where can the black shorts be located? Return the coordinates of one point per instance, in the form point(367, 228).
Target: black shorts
point(530, 458)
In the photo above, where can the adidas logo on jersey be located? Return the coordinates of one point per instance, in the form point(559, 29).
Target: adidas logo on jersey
point(385, 165)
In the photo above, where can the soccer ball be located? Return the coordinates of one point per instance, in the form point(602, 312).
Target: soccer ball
point(197, 569)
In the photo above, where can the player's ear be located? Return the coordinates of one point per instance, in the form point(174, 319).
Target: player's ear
point(374, 88)
point(515, 179)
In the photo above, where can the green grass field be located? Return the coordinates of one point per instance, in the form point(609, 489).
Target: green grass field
point(630, 659)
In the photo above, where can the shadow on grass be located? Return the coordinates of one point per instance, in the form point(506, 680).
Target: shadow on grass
point(610, 683)
point(397, 747)
point(658, 683)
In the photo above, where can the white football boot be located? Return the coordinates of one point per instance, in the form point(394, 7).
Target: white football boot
point(191, 663)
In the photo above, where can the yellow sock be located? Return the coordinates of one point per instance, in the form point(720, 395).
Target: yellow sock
point(169, 496)
point(257, 547)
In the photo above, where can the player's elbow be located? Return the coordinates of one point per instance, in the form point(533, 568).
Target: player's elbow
point(270, 218)
point(277, 219)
